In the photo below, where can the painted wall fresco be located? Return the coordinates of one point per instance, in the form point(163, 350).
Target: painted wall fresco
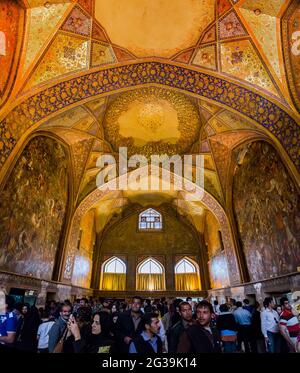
point(218, 270)
point(217, 263)
point(33, 208)
point(267, 209)
point(9, 21)
point(82, 271)
point(211, 235)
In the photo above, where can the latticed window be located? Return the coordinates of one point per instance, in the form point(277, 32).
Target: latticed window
point(185, 266)
point(150, 266)
point(187, 276)
point(150, 219)
point(115, 265)
point(150, 276)
point(113, 277)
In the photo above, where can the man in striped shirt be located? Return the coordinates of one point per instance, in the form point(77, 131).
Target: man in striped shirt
point(288, 324)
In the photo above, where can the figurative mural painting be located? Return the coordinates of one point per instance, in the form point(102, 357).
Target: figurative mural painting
point(33, 207)
point(268, 215)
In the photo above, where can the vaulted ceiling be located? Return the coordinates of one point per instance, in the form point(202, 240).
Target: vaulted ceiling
point(250, 43)
point(238, 39)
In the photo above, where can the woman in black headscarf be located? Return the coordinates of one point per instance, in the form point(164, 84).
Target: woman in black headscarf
point(99, 340)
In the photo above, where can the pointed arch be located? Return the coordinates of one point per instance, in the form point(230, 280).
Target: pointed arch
point(150, 275)
point(150, 266)
point(150, 219)
point(187, 276)
point(114, 265)
point(113, 275)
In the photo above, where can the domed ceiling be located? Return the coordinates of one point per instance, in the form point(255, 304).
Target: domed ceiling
point(239, 39)
point(251, 44)
point(152, 121)
point(154, 28)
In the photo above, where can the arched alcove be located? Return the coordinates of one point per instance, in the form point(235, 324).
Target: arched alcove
point(266, 208)
point(33, 205)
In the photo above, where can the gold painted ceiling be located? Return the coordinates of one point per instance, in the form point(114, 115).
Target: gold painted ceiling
point(241, 40)
point(152, 121)
point(250, 44)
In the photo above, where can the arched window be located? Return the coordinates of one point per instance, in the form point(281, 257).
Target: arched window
point(150, 266)
point(150, 219)
point(113, 275)
point(185, 266)
point(115, 265)
point(150, 275)
point(2, 44)
point(187, 275)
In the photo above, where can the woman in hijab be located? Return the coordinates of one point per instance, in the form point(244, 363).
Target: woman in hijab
point(99, 340)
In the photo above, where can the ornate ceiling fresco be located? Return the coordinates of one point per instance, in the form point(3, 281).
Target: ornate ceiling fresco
point(238, 39)
point(165, 31)
point(157, 76)
point(152, 121)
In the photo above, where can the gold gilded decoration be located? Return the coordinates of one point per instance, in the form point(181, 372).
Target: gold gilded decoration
point(151, 115)
point(152, 121)
point(42, 104)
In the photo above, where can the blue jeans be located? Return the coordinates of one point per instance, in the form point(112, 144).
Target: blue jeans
point(274, 342)
point(229, 346)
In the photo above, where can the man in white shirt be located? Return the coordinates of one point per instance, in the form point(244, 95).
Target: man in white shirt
point(270, 326)
point(43, 333)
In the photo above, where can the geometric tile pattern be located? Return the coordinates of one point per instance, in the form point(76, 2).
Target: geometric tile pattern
point(210, 35)
point(185, 56)
point(291, 44)
point(263, 26)
point(9, 23)
point(87, 5)
point(98, 33)
point(223, 6)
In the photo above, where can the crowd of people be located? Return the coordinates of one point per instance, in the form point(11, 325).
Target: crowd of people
point(150, 327)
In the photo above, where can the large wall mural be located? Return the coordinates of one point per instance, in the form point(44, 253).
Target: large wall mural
point(32, 209)
point(267, 209)
point(82, 271)
point(218, 271)
point(217, 263)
